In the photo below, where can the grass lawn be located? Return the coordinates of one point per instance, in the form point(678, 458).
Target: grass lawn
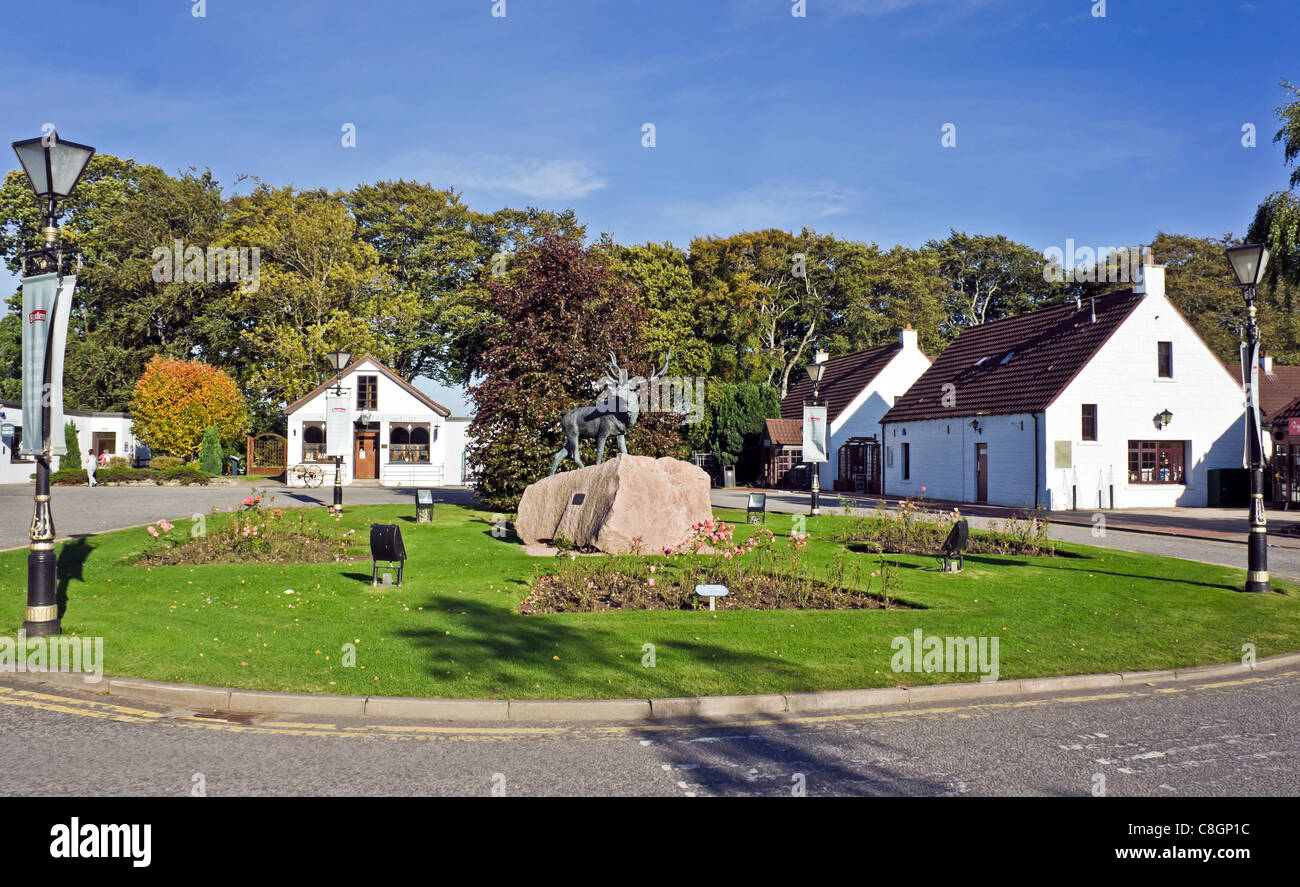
point(452, 630)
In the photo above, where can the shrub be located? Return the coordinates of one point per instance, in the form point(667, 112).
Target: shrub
point(119, 462)
point(193, 466)
point(162, 463)
point(69, 476)
point(210, 451)
point(184, 475)
point(117, 474)
point(73, 443)
point(913, 530)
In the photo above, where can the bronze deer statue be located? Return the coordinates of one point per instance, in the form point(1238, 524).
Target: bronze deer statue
point(615, 413)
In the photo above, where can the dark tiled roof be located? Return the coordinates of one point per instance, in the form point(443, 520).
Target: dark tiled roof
point(842, 380)
point(783, 432)
point(1048, 348)
point(1277, 389)
point(1290, 411)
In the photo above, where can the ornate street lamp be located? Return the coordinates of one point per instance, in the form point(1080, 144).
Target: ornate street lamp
point(53, 168)
point(338, 359)
point(815, 371)
point(1248, 262)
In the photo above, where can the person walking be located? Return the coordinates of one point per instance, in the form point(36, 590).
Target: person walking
point(90, 469)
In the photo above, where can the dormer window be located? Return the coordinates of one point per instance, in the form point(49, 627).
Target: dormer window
point(979, 363)
point(1007, 359)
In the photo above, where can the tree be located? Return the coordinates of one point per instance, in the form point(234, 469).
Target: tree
point(210, 451)
point(558, 319)
point(73, 444)
point(989, 277)
point(175, 401)
point(739, 425)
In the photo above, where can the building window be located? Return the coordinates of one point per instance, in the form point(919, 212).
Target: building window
point(1157, 461)
point(1089, 421)
point(367, 392)
point(313, 442)
point(408, 444)
point(907, 461)
point(1165, 359)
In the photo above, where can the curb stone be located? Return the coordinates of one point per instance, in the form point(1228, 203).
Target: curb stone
point(196, 697)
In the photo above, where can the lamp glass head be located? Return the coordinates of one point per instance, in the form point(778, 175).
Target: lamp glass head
point(339, 359)
point(53, 166)
point(1248, 263)
point(815, 371)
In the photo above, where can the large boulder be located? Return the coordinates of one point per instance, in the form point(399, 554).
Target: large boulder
point(608, 506)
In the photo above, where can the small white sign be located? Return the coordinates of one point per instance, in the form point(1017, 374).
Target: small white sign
point(712, 592)
point(338, 425)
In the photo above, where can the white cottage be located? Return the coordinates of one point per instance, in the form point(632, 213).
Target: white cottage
point(857, 389)
point(399, 435)
point(110, 433)
point(1114, 403)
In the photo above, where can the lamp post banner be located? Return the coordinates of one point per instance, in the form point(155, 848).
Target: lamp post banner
point(338, 425)
point(58, 345)
point(814, 434)
point(39, 293)
point(1250, 380)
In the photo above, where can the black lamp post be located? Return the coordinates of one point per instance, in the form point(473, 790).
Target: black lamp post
point(1248, 263)
point(339, 359)
point(815, 370)
point(53, 168)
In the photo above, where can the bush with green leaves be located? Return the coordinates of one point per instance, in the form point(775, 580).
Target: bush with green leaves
point(210, 451)
point(73, 443)
point(162, 463)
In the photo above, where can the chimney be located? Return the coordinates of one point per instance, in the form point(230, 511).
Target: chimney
point(907, 338)
point(1152, 280)
point(1266, 363)
point(819, 356)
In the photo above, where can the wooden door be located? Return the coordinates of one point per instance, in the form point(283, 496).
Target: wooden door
point(981, 472)
point(366, 464)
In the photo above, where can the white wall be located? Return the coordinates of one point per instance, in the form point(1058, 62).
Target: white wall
point(1205, 399)
point(21, 472)
point(943, 459)
point(395, 405)
point(861, 418)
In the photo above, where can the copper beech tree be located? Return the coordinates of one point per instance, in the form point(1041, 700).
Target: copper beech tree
point(175, 401)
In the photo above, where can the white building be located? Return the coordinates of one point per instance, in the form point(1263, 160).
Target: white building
point(110, 433)
point(399, 436)
point(857, 389)
point(1114, 403)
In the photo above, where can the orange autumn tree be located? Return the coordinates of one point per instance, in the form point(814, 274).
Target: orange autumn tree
point(175, 401)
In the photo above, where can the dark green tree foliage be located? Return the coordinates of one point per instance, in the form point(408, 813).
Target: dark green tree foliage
point(70, 440)
point(558, 317)
point(739, 425)
point(210, 452)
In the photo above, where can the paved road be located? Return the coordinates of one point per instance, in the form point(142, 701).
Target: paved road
point(1219, 737)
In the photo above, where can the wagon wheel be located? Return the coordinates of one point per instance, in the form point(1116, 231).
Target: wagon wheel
point(315, 475)
point(298, 473)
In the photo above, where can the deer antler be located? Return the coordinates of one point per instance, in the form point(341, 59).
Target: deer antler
point(663, 372)
point(613, 364)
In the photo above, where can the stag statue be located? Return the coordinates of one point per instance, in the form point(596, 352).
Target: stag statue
point(615, 412)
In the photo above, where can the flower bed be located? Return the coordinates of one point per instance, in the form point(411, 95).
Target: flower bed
point(253, 535)
point(759, 574)
point(911, 529)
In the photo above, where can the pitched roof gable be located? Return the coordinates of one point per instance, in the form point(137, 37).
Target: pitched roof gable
point(1015, 365)
point(1278, 388)
point(783, 432)
point(411, 389)
point(842, 381)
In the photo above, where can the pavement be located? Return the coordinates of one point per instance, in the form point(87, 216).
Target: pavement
point(1213, 736)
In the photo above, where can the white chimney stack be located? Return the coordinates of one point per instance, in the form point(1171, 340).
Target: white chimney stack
point(1266, 363)
point(907, 338)
point(819, 356)
point(1152, 282)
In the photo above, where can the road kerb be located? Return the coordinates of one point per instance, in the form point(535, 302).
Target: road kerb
point(203, 698)
point(193, 696)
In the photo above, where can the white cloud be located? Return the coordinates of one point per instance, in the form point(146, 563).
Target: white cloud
point(769, 205)
point(532, 177)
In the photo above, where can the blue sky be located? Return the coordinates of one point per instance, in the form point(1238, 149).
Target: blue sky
point(1104, 130)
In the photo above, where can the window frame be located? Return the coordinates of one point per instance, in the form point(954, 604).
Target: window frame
point(368, 385)
point(1085, 419)
point(1165, 360)
point(1138, 465)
